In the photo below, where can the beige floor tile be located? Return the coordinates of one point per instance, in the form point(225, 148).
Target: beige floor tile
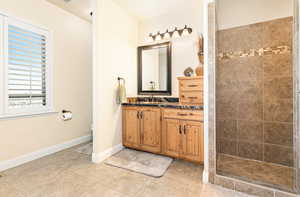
point(130, 183)
point(102, 191)
point(216, 191)
point(71, 174)
point(185, 172)
point(7, 190)
point(168, 189)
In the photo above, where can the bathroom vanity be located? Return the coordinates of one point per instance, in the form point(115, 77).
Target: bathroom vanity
point(164, 125)
point(171, 131)
point(169, 128)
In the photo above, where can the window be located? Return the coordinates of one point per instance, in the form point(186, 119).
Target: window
point(25, 66)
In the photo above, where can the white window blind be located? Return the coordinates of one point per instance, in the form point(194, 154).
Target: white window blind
point(26, 68)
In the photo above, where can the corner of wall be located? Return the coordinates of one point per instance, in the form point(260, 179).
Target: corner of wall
point(99, 157)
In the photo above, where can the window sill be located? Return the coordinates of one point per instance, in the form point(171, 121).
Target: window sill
point(27, 115)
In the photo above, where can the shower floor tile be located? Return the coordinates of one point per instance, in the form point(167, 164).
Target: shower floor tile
point(258, 172)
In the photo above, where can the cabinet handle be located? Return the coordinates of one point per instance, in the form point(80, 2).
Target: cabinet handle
point(181, 114)
point(184, 129)
point(180, 129)
point(138, 115)
point(192, 97)
point(192, 86)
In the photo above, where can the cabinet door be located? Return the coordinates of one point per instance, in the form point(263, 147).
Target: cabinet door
point(151, 130)
point(131, 127)
point(192, 141)
point(171, 137)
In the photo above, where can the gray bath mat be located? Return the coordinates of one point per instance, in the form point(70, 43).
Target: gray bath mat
point(141, 162)
point(85, 149)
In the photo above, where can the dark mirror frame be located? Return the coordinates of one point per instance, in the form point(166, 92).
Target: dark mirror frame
point(167, 45)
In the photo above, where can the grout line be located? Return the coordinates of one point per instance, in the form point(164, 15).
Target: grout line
point(242, 158)
point(263, 107)
point(266, 121)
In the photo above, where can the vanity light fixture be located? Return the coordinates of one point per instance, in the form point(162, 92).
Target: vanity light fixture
point(176, 33)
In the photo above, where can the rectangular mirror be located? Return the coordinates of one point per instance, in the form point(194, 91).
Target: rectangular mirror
point(154, 69)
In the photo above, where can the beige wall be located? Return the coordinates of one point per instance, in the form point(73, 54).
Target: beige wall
point(184, 50)
point(116, 36)
point(72, 80)
point(234, 13)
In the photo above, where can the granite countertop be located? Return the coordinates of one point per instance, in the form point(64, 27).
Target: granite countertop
point(175, 105)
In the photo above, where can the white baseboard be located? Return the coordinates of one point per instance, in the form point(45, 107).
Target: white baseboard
point(4, 165)
point(99, 157)
point(205, 178)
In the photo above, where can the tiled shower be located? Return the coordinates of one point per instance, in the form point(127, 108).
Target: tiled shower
point(254, 103)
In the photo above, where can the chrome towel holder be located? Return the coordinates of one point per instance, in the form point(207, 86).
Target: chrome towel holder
point(121, 79)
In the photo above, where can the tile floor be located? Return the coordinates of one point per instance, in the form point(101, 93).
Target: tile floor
point(256, 171)
point(71, 174)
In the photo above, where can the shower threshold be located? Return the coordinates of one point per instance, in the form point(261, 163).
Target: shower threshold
point(258, 172)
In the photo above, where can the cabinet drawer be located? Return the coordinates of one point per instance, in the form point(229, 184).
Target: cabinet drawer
point(196, 115)
point(191, 85)
point(191, 97)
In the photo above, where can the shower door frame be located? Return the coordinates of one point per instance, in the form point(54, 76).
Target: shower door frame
point(296, 94)
point(210, 174)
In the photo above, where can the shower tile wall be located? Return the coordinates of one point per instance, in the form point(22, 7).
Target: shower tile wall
point(255, 91)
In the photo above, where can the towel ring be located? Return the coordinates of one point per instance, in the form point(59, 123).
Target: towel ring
point(121, 79)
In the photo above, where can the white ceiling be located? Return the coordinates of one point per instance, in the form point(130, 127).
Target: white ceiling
point(81, 8)
point(145, 9)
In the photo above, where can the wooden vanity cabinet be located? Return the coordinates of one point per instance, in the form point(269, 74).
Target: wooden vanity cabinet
point(131, 127)
point(142, 128)
point(173, 132)
point(191, 90)
point(183, 138)
point(171, 137)
point(150, 129)
point(192, 141)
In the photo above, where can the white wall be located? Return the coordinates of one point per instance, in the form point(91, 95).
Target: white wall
point(116, 36)
point(72, 66)
point(184, 50)
point(233, 13)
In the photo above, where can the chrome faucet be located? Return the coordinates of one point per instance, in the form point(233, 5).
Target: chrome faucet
point(152, 98)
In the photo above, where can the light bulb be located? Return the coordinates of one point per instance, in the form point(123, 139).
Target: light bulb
point(167, 35)
point(150, 38)
point(158, 37)
point(176, 33)
point(185, 31)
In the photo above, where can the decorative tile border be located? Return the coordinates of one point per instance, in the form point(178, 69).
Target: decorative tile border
point(255, 52)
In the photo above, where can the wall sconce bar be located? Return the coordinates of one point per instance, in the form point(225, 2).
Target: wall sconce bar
point(170, 34)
